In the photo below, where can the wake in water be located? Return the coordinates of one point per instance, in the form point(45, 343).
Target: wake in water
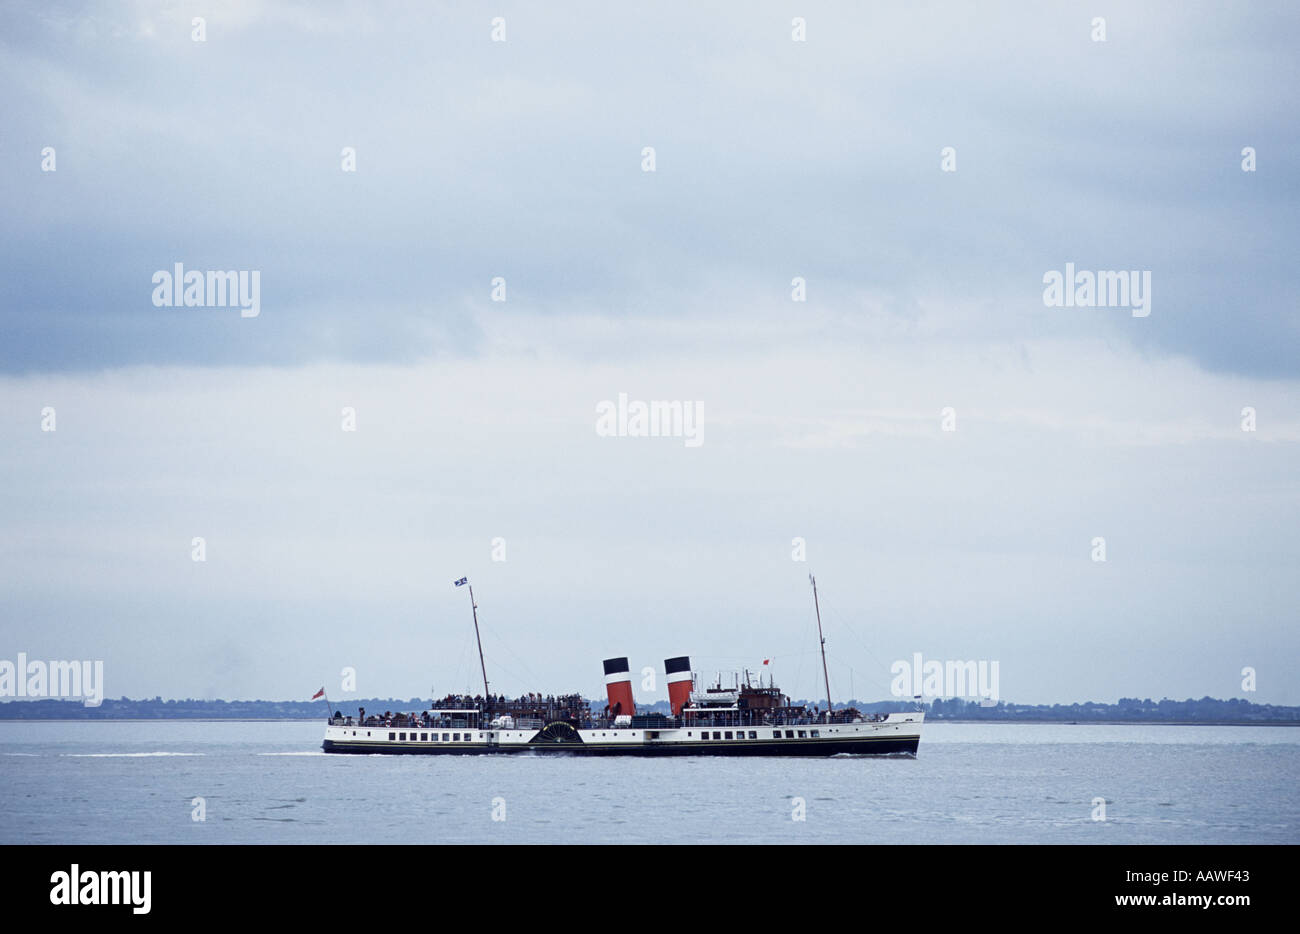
point(308, 752)
point(124, 755)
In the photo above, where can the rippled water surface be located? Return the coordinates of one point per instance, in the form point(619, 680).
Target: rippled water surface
point(135, 782)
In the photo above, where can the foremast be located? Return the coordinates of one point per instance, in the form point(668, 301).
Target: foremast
point(477, 638)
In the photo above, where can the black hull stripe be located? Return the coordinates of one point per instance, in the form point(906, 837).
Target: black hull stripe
point(874, 746)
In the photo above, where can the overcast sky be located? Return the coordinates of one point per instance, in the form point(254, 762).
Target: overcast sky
point(475, 419)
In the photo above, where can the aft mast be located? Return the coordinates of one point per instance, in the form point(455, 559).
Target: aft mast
point(812, 580)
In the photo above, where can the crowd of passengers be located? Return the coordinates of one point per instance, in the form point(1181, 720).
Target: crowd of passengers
point(536, 705)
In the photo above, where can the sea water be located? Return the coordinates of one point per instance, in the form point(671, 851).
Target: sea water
point(268, 782)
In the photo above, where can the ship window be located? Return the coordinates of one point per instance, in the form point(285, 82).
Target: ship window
point(704, 735)
point(467, 737)
point(392, 736)
point(716, 735)
point(753, 734)
point(402, 736)
point(433, 736)
point(424, 737)
point(729, 736)
point(802, 734)
point(444, 737)
point(816, 733)
point(776, 734)
point(789, 734)
point(456, 738)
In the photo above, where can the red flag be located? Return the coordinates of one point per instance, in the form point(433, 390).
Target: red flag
point(320, 693)
point(766, 660)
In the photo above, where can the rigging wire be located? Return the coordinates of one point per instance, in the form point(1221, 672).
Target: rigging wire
point(532, 675)
point(839, 620)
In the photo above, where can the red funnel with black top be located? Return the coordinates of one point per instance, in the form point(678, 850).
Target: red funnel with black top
point(680, 682)
point(618, 687)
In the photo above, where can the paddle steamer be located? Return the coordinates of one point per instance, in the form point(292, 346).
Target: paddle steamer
point(749, 718)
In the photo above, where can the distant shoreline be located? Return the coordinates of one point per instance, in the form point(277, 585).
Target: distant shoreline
point(929, 721)
point(164, 720)
point(1010, 720)
point(1206, 711)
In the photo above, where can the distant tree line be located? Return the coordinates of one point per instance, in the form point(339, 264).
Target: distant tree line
point(125, 708)
point(1128, 709)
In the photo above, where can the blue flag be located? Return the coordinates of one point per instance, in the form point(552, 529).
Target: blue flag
point(463, 580)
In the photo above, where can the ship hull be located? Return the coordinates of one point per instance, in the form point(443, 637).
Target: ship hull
point(906, 746)
point(897, 735)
